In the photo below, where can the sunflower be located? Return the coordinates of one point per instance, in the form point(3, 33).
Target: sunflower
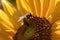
point(50, 9)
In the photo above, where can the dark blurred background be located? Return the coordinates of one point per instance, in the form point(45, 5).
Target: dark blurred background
point(11, 1)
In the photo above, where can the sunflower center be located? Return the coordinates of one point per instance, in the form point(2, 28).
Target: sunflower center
point(42, 27)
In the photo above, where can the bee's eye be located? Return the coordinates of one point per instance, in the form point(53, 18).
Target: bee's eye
point(28, 15)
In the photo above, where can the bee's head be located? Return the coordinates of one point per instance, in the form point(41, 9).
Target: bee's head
point(28, 15)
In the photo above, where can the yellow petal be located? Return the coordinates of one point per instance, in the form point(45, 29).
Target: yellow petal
point(5, 36)
point(56, 1)
point(10, 9)
point(51, 8)
point(37, 5)
point(25, 5)
point(11, 12)
point(56, 14)
point(56, 31)
point(32, 6)
point(21, 10)
point(45, 6)
point(49, 18)
point(4, 20)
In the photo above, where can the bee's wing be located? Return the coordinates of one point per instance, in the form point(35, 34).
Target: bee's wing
point(21, 18)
